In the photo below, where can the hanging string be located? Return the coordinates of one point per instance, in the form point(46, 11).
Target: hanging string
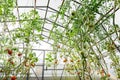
point(35, 5)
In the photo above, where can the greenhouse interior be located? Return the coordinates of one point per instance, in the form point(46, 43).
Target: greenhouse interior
point(59, 39)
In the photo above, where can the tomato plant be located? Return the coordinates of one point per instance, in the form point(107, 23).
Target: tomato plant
point(89, 27)
point(13, 59)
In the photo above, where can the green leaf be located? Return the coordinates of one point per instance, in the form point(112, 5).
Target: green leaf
point(34, 59)
point(46, 58)
point(30, 55)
